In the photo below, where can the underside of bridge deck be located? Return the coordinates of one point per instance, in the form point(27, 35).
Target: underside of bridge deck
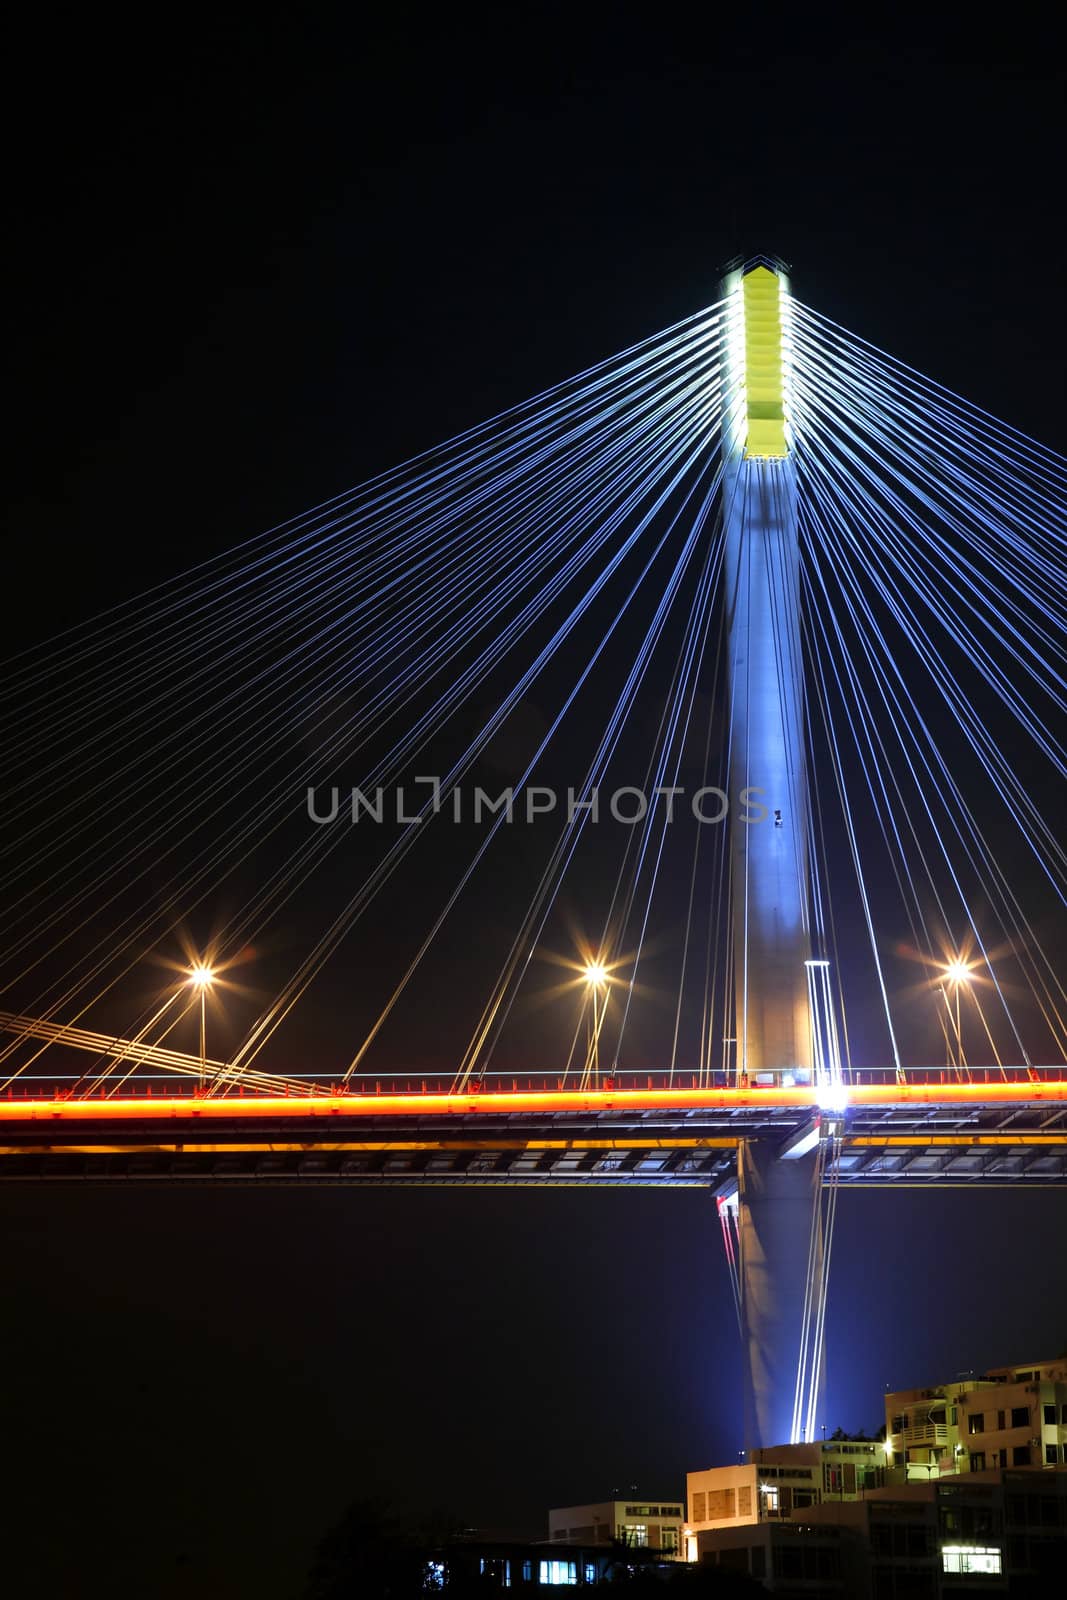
point(887, 1143)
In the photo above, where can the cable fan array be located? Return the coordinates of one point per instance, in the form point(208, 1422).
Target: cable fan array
point(401, 600)
point(567, 555)
point(934, 575)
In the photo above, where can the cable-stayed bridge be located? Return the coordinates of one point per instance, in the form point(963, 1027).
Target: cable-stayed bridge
point(738, 665)
point(988, 1133)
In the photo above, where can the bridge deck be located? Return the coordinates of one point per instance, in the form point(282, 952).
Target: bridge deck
point(915, 1133)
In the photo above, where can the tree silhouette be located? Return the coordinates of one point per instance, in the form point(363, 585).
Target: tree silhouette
point(371, 1554)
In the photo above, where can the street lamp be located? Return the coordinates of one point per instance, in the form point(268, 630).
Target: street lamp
point(596, 978)
point(957, 973)
point(202, 977)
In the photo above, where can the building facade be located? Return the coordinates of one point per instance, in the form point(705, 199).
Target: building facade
point(1007, 1417)
point(505, 1566)
point(967, 1494)
point(633, 1523)
point(777, 1483)
point(991, 1532)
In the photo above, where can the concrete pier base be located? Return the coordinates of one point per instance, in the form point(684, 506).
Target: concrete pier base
point(775, 1202)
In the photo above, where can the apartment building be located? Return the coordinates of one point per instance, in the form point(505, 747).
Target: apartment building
point(1008, 1417)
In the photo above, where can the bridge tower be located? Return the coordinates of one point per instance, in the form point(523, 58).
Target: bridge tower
point(776, 1188)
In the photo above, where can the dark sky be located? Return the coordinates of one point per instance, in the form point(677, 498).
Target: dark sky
point(254, 262)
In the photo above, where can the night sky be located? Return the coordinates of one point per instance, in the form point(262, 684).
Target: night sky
point(253, 264)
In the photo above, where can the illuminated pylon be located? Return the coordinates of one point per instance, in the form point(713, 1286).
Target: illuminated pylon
point(768, 858)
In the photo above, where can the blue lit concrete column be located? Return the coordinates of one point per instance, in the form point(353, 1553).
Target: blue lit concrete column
point(768, 862)
point(775, 1201)
point(768, 856)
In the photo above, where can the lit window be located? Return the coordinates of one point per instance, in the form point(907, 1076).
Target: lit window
point(635, 1533)
point(668, 1538)
point(558, 1572)
point(976, 1422)
point(433, 1577)
point(769, 1498)
point(590, 1572)
point(970, 1558)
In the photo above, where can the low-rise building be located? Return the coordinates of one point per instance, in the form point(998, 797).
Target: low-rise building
point(777, 1482)
point(992, 1532)
point(787, 1558)
point(637, 1524)
point(1001, 1531)
point(497, 1565)
point(968, 1493)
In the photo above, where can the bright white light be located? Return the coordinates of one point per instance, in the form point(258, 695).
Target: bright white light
point(832, 1097)
point(958, 972)
point(595, 974)
point(201, 977)
point(558, 1572)
point(971, 1558)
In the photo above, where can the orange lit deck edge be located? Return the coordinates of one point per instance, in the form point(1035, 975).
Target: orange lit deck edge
point(237, 1108)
